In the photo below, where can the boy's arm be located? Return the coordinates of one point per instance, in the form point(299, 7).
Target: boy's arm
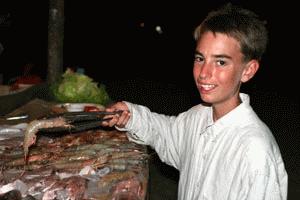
point(156, 130)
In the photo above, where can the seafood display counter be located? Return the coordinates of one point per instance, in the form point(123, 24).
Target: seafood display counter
point(93, 164)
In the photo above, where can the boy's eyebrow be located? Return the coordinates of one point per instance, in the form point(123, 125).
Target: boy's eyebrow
point(198, 53)
point(216, 56)
point(222, 56)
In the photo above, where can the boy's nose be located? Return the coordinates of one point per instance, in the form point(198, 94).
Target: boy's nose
point(205, 72)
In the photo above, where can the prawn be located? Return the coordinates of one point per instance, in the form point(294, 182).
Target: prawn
point(34, 126)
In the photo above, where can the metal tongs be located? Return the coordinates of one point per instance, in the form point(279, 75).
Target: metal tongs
point(20, 116)
point(81, 121)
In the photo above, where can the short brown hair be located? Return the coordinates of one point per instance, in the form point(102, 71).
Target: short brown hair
point(239, 23)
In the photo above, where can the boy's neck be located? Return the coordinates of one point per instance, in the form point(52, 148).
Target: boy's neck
point(219, 110)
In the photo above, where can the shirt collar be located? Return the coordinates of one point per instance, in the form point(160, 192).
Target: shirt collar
point(237, 115)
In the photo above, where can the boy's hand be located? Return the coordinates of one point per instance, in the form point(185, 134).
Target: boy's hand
point(119, 120)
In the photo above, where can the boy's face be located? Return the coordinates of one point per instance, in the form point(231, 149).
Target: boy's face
point(219, 69)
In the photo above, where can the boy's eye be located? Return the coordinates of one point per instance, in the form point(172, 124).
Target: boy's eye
point(221, 62)
point(198, 58)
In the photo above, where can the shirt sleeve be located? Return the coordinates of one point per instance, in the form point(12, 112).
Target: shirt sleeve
point(266, 177)
point(265, 187)
point(156, 130)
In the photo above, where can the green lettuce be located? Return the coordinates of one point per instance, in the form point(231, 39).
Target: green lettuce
point(79, 88)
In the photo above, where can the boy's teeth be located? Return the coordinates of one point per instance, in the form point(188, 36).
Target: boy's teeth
point(207, 86)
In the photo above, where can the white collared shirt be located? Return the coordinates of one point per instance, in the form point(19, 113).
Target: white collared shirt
point(234, 158)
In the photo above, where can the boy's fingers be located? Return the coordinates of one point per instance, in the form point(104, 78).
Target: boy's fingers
point(119, 119)
point(123, 119)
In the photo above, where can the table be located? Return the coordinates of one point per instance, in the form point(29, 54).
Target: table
point(93, 164)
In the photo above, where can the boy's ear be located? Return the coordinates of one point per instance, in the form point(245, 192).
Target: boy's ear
point(250, 70)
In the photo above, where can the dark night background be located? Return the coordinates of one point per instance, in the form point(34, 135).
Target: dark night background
point(140, 65)
point(108, 41)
